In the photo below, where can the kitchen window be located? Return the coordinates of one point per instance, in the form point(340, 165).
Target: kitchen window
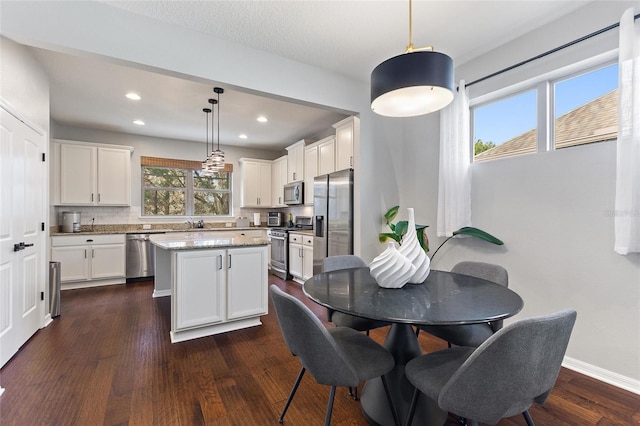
point(553, 113)
point(177, 188)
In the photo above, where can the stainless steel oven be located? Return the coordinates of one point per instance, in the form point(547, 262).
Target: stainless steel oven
point(274, 219)
point(280, 253)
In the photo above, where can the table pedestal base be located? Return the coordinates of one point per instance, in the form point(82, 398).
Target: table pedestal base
point(403, 344)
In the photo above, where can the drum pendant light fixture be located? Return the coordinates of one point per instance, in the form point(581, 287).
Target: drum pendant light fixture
point(417, 82)
point(217, 156)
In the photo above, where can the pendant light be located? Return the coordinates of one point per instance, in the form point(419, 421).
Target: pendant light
point(217, 156)
point(417, 82)
point(205, 163)
point(210, 168)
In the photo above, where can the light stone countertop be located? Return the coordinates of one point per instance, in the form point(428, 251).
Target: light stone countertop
point(125, 229)
point(203, 240)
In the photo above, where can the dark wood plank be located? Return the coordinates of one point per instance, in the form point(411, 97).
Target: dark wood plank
point(108, 360)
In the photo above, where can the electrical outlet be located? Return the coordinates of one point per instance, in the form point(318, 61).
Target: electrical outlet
point(146, 226)
point(228, 224)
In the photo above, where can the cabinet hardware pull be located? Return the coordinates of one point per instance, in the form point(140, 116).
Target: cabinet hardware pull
point(351, 161)
point(85, 253)
point(229, 261)
point(98, 197)
point(93, 253)
point(92, 197)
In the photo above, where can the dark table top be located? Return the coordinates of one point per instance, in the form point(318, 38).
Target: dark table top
point(444, 298)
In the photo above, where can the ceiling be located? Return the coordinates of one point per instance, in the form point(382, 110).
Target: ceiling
point(347, 37)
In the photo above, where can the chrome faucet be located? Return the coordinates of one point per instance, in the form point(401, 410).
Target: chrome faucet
point(201, 223)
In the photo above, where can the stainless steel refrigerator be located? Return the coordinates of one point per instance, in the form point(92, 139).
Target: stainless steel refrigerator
point(333, 216)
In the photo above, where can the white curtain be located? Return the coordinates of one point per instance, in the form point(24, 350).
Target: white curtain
point(454, 189)
point(627, 204)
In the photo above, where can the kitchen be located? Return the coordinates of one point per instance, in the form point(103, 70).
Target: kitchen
point(406, 174)
point(259, 195)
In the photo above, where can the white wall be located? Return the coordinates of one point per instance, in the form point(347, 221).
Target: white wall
point(553, 210)
point(557, 255)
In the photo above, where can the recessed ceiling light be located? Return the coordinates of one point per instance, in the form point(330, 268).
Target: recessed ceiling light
point(242, 136)
point(262, 119)
point(138, 122)
point(133, 96)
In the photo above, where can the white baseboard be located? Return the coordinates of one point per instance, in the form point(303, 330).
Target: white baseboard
point(615, 379)
point(161, 293)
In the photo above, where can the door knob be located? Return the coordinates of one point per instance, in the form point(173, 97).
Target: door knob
point(21, 246)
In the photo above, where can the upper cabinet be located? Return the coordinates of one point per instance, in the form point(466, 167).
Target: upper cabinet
point(310, 171)
point(278, 180)
point(85, 174)
point(295, 161)
point(256, 182)
point(347, 137)
point(326, 156)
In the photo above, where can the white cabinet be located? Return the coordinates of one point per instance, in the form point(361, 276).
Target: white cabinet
point(88, 260)
point(307, 257)
point(246, 282)
point(310, 171)
point(300, 256)
point(256, 183)
point(217, 290)
point(295, 161)
point(278, 180)
point(326, 156)
point(200, 288)
point(347, 139)
point(91, 174)
point(295, 256)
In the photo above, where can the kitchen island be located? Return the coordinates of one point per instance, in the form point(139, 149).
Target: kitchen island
point(217, 281)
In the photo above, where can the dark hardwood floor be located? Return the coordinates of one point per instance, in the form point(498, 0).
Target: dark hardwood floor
point(108, 360)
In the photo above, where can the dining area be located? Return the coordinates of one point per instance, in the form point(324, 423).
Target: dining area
point(487, 372)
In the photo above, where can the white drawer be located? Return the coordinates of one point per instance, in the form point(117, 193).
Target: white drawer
point(79, 240)
point(307, 240)
point(295, 238)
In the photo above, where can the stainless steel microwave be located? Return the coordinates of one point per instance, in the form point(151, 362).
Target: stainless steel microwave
point(293, 193)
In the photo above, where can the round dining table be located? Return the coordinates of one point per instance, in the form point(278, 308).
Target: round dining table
point(444, 298)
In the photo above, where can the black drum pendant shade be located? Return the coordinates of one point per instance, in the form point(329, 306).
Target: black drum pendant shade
point(411, 84)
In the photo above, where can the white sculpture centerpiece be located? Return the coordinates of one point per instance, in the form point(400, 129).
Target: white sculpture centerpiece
point(394, 268)
point(413, 251)
point(391, 269)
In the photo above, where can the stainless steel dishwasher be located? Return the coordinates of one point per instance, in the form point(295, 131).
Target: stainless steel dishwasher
point(140, 256)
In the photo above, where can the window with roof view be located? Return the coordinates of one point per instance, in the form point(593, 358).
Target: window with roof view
point(505, 128)
point(584, 111)
point(586, 108)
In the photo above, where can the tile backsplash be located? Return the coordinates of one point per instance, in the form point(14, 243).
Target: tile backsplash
point(131, 215)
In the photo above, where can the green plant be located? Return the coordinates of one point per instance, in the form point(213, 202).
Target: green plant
point(399, 229)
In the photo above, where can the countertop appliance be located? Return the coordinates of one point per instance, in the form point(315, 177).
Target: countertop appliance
point(274, 219)
point(294, 193)
point(70, 222)
point(332, 216)
point(140, 256)
point(280, 246)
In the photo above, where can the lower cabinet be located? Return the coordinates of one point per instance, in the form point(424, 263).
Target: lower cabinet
point(215, 291)
point(300, 256)
point(89, 260)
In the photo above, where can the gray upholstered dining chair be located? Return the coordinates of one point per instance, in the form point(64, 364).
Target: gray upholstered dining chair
point(337, 356)
point(340, 319)
point(504, 376)
point(471, 334)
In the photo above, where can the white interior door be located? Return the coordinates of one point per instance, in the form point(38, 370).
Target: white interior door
point(22, 211)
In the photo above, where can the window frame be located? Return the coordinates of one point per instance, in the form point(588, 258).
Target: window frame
point(545, 98)
point(189, 191)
